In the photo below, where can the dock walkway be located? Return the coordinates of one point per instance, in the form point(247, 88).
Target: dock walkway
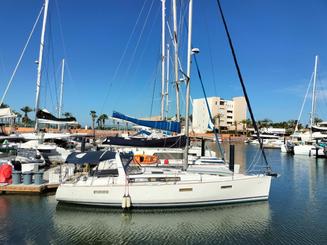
point(21, 188)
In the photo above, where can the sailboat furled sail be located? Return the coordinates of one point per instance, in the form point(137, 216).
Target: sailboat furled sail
point(44, 116)
point(163, 125)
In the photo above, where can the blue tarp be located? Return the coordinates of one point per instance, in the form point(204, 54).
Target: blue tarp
point(163, 125)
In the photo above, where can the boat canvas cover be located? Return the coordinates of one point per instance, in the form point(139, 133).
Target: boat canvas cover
point(163, 125)
point(45, 117)
point(92, 157)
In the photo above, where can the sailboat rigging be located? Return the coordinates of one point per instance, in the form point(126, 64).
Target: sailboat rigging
point(221, 151)
point(269, 171)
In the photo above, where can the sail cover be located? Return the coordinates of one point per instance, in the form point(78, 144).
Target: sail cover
point(45, 117)
point(163, 125)
point(92, 157)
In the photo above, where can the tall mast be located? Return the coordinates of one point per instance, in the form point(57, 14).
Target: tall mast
point(163, 47)
point(61, 89)
point(167, 81)
point(176, 61)
point(188, 74)
point(39, 67)
point(313, 102)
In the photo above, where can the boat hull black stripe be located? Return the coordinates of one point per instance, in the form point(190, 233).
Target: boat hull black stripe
point(175, 204)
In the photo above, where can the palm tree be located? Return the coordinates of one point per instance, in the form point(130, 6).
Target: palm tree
point(99, 122)
point(3, 105)
point(93, 117)
point(217, 118)
point(103, 118)
point(18, 117)
point(317, 120)
point(249, 123)
point(26, 110)
point(265, 123)
point(235, 127)
point(67, 114)
point(244, 126)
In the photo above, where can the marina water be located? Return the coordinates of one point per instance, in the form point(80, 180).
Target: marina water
point(295, 214)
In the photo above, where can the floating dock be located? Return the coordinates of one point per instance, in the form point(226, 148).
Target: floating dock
point(21, 188)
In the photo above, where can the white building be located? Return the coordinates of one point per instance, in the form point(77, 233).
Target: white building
point(228, 114)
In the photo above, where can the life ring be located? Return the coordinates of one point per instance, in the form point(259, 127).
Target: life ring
point(145, 159)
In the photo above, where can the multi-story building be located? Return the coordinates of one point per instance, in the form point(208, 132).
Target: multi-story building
point(228, 114)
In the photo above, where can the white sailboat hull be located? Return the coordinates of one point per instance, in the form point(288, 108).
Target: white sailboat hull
point(302, 149)
point(210, 190)
point(308, 150)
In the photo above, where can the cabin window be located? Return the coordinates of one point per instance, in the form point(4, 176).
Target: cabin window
point(154, 179)
point(226, 186)
point(156, 172)
point(105, 173)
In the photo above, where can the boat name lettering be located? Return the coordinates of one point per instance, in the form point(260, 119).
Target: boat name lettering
point(100, 192)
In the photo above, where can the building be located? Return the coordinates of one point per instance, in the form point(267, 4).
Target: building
point(228, 114)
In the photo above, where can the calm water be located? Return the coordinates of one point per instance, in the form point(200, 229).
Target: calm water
point(295, 214)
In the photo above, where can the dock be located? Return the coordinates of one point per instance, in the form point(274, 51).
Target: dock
point(21, 188)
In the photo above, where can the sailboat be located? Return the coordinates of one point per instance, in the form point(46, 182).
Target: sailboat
point(177, 141)
point(115, 182)
point(306, 143)
point(38, 139)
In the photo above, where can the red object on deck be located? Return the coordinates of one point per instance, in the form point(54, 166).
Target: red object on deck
point(166, 161)
point(5, 173)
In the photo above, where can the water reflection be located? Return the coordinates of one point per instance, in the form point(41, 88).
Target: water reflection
point(214, 224)
point(24, 218)
point(294, 214)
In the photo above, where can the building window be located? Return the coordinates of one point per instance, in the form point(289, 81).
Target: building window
point(229, 111)
point(222, 103)
point(229, 117)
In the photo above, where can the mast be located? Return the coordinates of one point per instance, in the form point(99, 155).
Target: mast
point(313, 102)
point(61, 89)
point(167, 82)
point(39, 67)
point(176, 61)
point(188, 74)
point(163, 60)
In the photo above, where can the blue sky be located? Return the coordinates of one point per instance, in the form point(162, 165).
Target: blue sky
point(113, 59)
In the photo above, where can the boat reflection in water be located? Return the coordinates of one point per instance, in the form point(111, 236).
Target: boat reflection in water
point(210, 224)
